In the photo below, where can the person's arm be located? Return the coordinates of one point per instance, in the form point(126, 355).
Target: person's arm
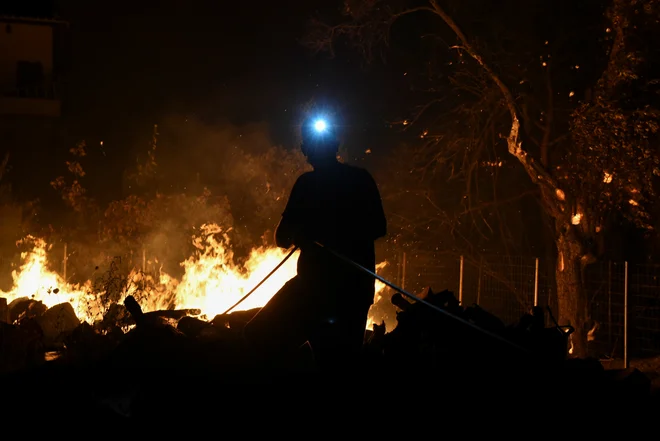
point(376, 214)
point(285, 233)
point(289, 226)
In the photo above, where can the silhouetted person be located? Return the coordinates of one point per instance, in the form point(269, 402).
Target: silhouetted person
point(327, 303)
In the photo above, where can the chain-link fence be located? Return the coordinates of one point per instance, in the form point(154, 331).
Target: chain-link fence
point(508, 286)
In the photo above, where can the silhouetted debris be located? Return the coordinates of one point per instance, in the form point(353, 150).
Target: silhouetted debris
point(56, 323)
point(153, 343)
point(134, 308)
point(631, 381)
point(88, 344)
point(117, 316)
point(173, 314)
point(452, 356)
point(4, 310)
point(236, 319)
point(25, 307)
point(192, 326)
point(479, 316)
point(20, 347)
point(417, 324)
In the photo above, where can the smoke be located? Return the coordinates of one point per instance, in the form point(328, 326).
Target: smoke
point(189, 174)
point(232, 176)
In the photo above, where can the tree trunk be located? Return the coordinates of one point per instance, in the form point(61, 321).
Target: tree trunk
point(571, 295)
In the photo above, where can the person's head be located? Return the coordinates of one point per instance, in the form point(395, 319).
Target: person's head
point(320, 143)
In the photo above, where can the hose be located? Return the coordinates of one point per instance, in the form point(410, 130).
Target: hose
point(279, 265)
point(422, 301)
point(391, 285)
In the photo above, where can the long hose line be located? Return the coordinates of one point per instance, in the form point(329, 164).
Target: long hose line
point(391, 285)
point(279, 265)
point(422, 301)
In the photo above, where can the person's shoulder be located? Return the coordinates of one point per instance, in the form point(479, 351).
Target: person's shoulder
point(354, 169)
point(305, 177)
point(357, 172)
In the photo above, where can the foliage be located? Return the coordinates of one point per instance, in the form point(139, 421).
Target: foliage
point(72, 190)
point(146, 171)
point(616, 157)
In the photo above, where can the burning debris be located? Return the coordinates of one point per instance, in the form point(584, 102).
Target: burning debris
point(42, 301)
point(119, 330)
point(211, 282)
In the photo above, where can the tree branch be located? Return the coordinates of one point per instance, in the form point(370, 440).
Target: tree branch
point(537, 173)
point(497, 202)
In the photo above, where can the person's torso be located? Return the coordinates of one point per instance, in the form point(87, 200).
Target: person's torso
point(334, 207)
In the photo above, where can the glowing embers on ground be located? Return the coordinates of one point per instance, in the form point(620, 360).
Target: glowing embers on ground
point(212, 281)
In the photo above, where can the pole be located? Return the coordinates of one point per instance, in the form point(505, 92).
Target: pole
point(403, 277)
point(625, 316)
point(144, 260)
point(609, 303)
point(481, 265)
point(460, 284)
point(536, 284)
point(64, 262)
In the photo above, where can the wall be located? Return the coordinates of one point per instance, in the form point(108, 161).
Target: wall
point(25, 42)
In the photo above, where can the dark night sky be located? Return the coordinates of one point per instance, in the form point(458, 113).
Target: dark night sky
point(127, 66)
point(218, 61)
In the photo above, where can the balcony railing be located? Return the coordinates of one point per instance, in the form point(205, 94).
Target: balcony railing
point(40, 100)
point(44, 92)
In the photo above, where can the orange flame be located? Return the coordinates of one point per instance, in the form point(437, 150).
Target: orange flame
point(212, 281)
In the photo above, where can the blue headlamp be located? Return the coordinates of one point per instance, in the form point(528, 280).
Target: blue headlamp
point(320, 125)
point(318, 131)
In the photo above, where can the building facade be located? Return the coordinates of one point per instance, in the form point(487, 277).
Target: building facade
point(30, 100)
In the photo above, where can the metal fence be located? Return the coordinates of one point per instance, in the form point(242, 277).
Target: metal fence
point(508, 286)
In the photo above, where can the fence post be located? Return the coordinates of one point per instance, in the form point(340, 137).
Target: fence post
point(64, 259)
point(460, 284)
point(536, 284)
point(403, 276)
point(481, 265)
point(609, 303)
point(625, 316)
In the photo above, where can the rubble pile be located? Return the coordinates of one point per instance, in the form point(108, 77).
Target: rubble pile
point(462, 351)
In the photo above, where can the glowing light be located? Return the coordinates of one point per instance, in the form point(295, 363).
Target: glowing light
point(577, 217)
point(320, 125)
point(607, 178)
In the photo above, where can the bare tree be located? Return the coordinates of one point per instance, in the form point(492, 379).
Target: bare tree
point(600, 161)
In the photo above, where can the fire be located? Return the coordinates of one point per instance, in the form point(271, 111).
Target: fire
point(212, 282)
point(34, 280)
